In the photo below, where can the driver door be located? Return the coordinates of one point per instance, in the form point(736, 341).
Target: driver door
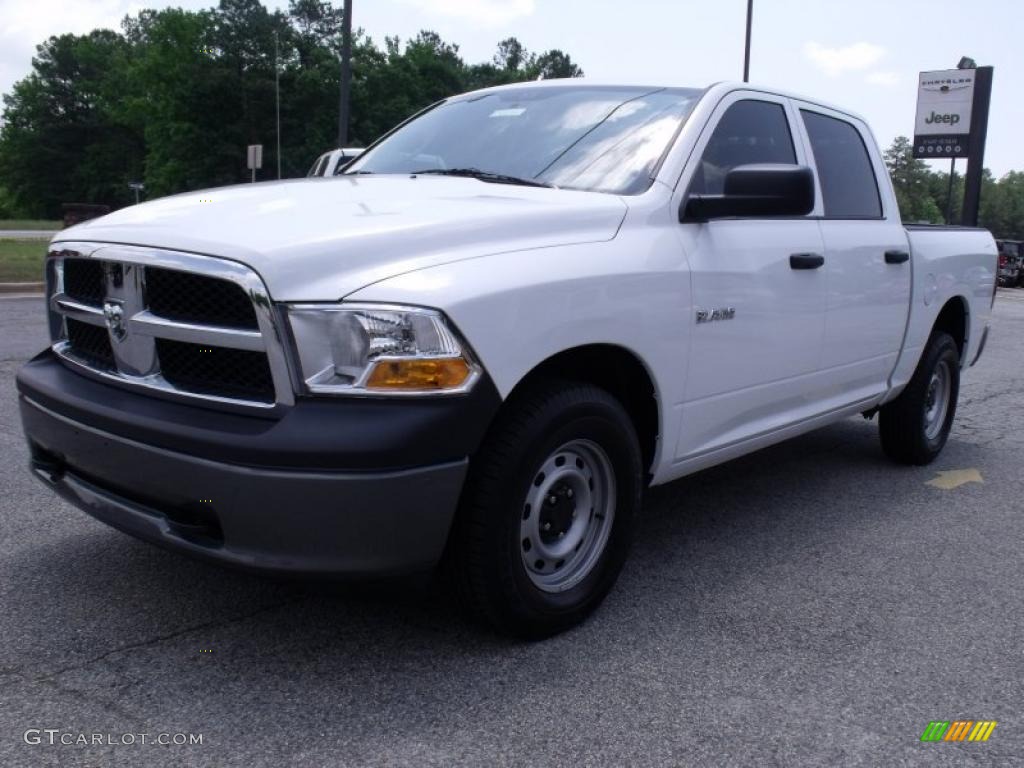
point(758, 314)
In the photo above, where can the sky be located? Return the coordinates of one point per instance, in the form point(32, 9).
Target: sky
point(863, 55)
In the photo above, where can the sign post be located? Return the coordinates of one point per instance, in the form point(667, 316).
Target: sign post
point(951, 122)
point(976, 157)
point(138, 186)
point(254, 159)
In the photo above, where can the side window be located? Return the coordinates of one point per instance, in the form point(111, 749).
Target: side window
point(750, 131)
point(848, 183)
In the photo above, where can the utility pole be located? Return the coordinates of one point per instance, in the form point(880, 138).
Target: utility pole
point(746, 49)
point(277, 103)
point(346, 74)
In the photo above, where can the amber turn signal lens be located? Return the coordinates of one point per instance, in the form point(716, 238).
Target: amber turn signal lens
point(413, 374)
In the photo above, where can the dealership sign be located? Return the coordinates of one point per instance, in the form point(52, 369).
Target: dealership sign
point(943, 124)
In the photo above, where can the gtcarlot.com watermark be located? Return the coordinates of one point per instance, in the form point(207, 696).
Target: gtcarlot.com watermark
point(56, 737)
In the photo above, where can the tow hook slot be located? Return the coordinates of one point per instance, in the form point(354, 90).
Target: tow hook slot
point(196, 523)
point(47, 466)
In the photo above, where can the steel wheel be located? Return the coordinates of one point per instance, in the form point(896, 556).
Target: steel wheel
point(936, 403)
point(567, 515)
point(915, 426)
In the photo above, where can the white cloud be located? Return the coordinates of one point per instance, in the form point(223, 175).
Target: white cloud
point(489, 13)
point(887, 79)
point(851, 58)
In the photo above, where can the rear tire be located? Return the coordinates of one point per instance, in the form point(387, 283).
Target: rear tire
point(915, 426)
point(547, 516)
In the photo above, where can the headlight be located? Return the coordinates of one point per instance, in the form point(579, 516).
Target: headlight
point(367, 349)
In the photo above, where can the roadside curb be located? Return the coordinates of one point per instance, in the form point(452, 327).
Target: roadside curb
point(21, 288)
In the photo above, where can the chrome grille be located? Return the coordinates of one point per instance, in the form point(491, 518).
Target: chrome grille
point(91, 343)
point(195, 298)
point(83, 281)
point(216, 370)
point(191, 327)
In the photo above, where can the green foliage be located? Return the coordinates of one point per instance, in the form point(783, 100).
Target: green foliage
point(8, 205)
point(173, 99)
point(924, 195)
point(58, 143)
point(1002, 206)
point(912, 182)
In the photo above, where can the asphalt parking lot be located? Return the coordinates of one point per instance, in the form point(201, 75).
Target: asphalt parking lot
point(810, 604)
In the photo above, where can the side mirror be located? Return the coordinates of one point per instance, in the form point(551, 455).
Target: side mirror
point(756, 190)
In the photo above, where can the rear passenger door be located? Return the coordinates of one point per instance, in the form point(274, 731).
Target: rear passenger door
point(867, 253)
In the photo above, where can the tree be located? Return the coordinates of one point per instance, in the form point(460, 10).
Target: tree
point(56, 144)
point(175, 96)
point(511, 55)
point(553, 64)
point(911, 182)
point(924, 195)
point(316, 24)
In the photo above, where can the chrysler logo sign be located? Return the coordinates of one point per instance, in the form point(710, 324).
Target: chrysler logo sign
point(944, 103)
point(113, 312)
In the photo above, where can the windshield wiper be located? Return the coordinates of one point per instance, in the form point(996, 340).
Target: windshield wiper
point(476, 173)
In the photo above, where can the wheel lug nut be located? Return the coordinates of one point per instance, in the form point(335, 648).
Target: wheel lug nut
point(561, 534)
point(568, 493)
point(547, 526)
point(552, 500)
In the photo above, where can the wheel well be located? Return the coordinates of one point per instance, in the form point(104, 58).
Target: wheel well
point(953, 320)
point(616, 370)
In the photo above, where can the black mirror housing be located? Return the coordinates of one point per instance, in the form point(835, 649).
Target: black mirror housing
point(756, 191)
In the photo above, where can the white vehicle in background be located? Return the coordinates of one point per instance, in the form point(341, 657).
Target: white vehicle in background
point(484, 340)
point(329, 163)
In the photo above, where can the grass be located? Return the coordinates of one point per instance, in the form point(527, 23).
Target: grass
point(40, 224)
point(21, 260)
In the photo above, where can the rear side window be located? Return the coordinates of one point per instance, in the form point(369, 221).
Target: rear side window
point(749, 132)
point(848, 183)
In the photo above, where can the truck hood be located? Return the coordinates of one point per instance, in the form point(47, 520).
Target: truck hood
point(322, 239)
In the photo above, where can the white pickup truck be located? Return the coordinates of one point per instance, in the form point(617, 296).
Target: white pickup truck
point(479, 344)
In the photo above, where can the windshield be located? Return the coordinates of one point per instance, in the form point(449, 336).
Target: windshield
point(599, 138)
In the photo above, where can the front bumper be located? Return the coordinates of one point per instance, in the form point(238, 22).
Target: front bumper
point(287, 514)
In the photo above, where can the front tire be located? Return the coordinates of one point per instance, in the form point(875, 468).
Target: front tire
point(915, 426)
point(547, 516)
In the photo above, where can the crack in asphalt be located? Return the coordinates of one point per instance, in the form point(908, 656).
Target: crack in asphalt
point(163, 638)
point(982, 399)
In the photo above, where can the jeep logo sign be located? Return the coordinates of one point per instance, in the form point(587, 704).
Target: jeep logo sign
point(943, 124)
point(934, 117)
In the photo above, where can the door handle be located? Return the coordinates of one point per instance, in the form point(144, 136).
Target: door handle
point(806, 261)
point(896, 257)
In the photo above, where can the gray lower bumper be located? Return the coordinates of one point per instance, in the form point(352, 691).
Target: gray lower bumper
point(287, 521)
